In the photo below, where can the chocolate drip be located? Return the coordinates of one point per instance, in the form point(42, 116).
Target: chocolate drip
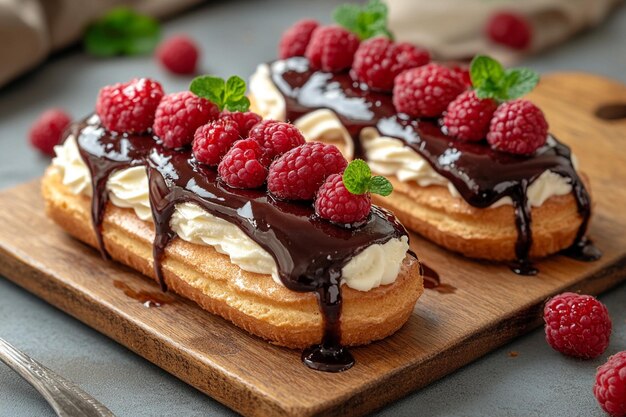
point(309, 252)
point(481, 175)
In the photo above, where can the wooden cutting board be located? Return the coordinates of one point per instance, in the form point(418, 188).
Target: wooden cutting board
point(489, 306)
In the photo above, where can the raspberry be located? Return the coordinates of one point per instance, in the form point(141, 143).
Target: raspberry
point(468, 117)
point(518, 127)
point(335, 203)
point(378, 61)
point(610, 386)
point(47, 130)
point(462, 71)
point(179, 115)
point(509, 29)
point(577, 325)
point(276, 138)
point(129, 107)
point(426, 91)
point(298, 174)
point(240, 167)
point(245, 120)
point(295, 39)
point(331, 48)
point(179, 54)
point(213, 140)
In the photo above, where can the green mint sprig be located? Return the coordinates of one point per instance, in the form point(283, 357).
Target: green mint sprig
point(365, 21)
point(229, 94)
point(122, 31)
point(358, 179)
point(491, 80)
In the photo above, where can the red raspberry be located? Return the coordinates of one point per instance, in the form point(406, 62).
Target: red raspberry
point(47, 130)
point(298, 174)
point(468, 117)
point(335, 203)
point(213, 140)
point(462, 71)
point(577, 325)
point(129, 107)
point(179, 54)
point(518, 127)
point(331, 48)
point(378, 61)
point(509, 29)
point(426, 91)
point(179, 115)
point(276, 138)
point(610, 386)
point(240, 167)
point(295, 39)
point(245, 120)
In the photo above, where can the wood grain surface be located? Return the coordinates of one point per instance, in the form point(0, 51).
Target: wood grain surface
point(489, 307)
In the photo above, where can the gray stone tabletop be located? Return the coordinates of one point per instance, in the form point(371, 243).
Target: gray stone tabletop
point(235, 37)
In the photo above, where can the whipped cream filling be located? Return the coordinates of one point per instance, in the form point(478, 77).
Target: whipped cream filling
point(385, 155)
point(378, 264)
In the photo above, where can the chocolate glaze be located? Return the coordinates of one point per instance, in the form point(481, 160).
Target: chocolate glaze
point(480, 174)
point(147, 298)
point(309, 252)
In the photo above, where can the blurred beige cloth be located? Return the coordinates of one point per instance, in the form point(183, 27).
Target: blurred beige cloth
point(454, 29)
point(31, 29)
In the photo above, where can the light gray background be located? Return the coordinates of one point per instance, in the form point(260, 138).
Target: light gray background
point(236, 36)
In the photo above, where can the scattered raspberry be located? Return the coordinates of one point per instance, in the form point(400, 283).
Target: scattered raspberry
point(518, 127)
point(331, 48)
point(179, 54)
point(45, 133)
point(129, 107)
point(577, 325)
point(610, 386)
point(245, 120)
point(240, 167)
point(335, 203)
point(295, 39)
point(426, 91)
point(213, 140)
point(468, 117)
point(298, 174)
point(462, 71)
point(179, 115)
point(509, 29)
point(276, 138)
point(378, 61)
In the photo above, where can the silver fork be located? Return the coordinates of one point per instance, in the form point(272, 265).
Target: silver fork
point(65, 397)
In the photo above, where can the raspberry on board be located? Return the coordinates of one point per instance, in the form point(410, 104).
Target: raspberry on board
point(610, 386)
point(509, 29)
point(129, 107)
point(276, 138)
point(241, 168)
point(295, 39)
point(426, 91)
point(331, 48)
point(335, 203)
point(46, 132)
point(245, 120)
point(577, 325)
point(212, 140)
point(518, 127)
point(179, 54)
point(468, 117)
point(298, 173)
point(378, 61)
point(179, 115)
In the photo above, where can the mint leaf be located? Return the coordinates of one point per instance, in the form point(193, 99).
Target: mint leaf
point(346, 15)
point(380, 185)
point(230, 94)
point(357, 177)
point(519, 81)
point(365, 21)
point(122, 31)
point(491, 80)
point(243, 104)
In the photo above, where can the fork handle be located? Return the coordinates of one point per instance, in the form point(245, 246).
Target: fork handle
point(65, 397)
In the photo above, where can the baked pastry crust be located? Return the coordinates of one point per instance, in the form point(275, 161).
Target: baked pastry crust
point(251, 301)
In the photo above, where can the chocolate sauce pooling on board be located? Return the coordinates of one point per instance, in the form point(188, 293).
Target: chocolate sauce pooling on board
point(480, 174)
point(309, 252)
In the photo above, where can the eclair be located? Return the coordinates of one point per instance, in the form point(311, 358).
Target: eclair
point(176, 187)
point(473, 166)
